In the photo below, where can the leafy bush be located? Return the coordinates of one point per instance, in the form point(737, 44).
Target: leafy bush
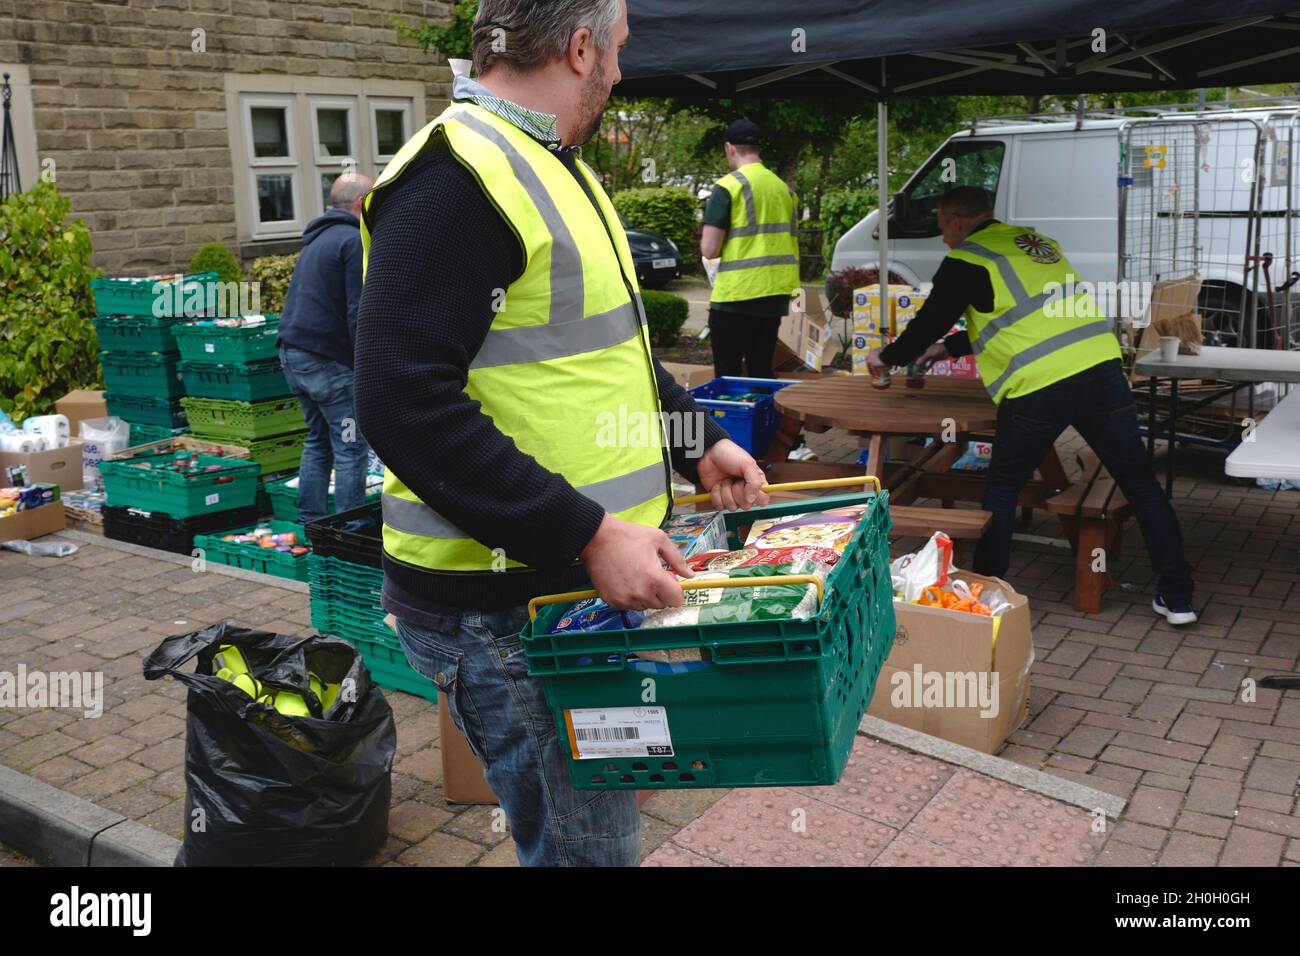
point(273, 273)
point(667, 210)
point(215, 257)
point(48, 344)
point(841, 211)
point(666, 314)
point(840, 286)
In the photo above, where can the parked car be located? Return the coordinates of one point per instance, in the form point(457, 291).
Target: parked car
point(657, 259)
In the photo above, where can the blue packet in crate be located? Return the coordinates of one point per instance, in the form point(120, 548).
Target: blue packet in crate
point(695, 532)
point(593, 614)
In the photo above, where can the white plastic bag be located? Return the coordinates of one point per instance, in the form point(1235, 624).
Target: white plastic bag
point(41, 549)
point(913, 573)
point(101, 437)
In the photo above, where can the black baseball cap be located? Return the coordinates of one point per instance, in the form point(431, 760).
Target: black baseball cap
point(742, 133)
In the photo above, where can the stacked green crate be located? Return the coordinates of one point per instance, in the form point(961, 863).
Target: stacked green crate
point(282, 549)
point(140, 357)
point(237, 393)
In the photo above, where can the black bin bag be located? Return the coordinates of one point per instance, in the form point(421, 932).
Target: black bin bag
point(265, 789)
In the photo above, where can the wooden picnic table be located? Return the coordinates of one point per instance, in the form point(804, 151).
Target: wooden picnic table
point(951, 410)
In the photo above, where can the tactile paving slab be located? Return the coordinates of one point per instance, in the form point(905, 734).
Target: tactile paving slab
point(908, 850)
point(1001, 825)
point(761, 827)
point(884, 783)
point(672, 855)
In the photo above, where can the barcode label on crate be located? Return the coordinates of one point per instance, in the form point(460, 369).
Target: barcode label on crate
point(209, 346)
point(619, 732)
point(212, 499)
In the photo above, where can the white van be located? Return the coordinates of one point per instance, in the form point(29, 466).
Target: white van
point(1197, 192)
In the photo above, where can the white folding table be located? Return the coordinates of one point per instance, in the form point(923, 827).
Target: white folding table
point(1215, 363)
point(1272, 450)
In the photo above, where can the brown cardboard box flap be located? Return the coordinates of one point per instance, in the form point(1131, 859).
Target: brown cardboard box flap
point(26, 525)
point(79, 405)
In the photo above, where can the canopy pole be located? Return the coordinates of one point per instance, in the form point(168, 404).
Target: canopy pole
point(882, 180)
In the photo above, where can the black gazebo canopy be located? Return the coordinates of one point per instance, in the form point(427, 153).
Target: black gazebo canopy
point(812, 48)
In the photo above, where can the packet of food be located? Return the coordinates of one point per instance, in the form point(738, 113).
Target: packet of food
point(697, 531)
point(593, 614)
point(765, 602)
point(823, 529)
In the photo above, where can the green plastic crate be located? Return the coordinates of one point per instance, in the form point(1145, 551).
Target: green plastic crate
point(205, 342)
point(779, 703)
point(256, 382)
point(252, 557)
point(390, 669)
point(146, 410)
point(129, 484)
point(144, 434)
point(137, 333)
point(276, 454)
point(147, 374)
point(222, 418)
point(137, 296)
point(284, 500)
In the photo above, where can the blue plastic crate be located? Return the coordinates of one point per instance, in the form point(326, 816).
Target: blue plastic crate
point(744, 408)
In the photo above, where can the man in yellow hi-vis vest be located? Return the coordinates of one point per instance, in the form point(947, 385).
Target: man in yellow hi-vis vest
point(1049, 359)
point(504, 376)
point(749, 222)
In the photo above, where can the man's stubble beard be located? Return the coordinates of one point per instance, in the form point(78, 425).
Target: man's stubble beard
point(594, 99)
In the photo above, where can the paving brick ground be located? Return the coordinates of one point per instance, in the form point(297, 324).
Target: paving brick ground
point(1121, 702)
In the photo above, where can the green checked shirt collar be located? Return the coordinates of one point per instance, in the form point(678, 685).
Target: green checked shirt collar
point(540, 126)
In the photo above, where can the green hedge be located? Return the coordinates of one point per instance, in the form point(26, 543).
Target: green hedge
point(841, 211)
point(667, 210)
point(215, 257)
point(666, 314)
point(273, 273)
point(48, 344)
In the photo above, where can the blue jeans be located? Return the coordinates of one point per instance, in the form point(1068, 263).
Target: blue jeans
point(1098, 402)
point(324, 388)
point(476, 660)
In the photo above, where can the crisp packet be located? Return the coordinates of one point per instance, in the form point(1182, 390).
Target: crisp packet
point(593, 614)
point(731, 605)
point(814, 560)
point(823, 529)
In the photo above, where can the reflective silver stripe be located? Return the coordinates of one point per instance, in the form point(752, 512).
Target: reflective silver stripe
point(757, 262)
point(567, 294)
point(1005, 268)
point(1009, 317)
point(612, 494)
point(758, 229)
point(1047, 347)
point(747, 192)
point(640, 308)
point(539, 343)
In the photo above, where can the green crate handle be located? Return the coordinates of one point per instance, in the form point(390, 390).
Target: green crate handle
point(773, 579)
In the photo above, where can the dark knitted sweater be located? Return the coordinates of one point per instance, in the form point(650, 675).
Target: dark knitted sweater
point(439, 252)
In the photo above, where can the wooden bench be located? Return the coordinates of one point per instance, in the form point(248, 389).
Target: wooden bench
point(1092, 511)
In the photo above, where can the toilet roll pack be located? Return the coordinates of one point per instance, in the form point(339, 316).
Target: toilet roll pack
point(39, 433)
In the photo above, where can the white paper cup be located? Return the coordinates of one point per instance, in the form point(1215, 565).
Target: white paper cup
point(1169, 347)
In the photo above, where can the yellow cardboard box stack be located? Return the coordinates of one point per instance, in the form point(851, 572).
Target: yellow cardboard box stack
point(870, 329)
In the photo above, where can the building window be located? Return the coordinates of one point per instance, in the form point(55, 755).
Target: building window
point(297, 135)
point(391, 121)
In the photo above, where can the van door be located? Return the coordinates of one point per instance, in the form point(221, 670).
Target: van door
point(962, 161)
point(1064, 187)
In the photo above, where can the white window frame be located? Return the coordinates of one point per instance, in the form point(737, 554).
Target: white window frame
point(286, 103)
point(300, 95)
point(389, 105)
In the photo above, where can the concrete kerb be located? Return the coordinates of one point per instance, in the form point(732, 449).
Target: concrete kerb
point(1027, 778)
point(84, 537)
point(57, 828)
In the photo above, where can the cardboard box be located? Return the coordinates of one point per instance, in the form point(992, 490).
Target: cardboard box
point(79, 405)
point(463, 780)
point(941, 659)
point(1171, 299)
point(55, 466)
point(688, 376)
point(806, 338)
point(26, 525)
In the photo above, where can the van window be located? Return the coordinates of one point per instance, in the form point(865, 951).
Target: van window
point(963, 162)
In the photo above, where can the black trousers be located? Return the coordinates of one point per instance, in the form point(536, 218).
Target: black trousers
point(743, 344)
point(1098, 402)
